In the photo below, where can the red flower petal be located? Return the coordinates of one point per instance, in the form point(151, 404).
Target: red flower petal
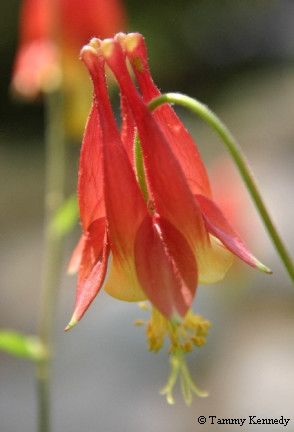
point(76, 257)
point(173, 199)
point(220, 227)
point(90, 183)
point(167, 269)
point(173, 129)
point(124, 204)
point(128, 129)
point(92, 269)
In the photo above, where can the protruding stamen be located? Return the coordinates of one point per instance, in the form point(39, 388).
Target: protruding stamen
point(183, 338)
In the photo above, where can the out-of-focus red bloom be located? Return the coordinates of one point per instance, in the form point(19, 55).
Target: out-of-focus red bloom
point(231, 196)
point(163, 242)
point(50, 26)
point(52, 33)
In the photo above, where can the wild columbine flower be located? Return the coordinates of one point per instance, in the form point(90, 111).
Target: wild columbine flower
point(144, 197)
point(51, 35)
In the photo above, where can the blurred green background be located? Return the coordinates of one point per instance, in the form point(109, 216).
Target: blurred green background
point(236, 56)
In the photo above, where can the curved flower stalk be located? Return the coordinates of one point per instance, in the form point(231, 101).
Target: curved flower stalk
point(153, 211)
point(51, 33)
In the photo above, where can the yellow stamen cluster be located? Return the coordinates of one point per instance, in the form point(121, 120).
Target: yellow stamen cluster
point(183, 337)
point(190, 333)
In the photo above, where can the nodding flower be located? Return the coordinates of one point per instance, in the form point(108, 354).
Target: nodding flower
point(150, 209)
point(147, 210)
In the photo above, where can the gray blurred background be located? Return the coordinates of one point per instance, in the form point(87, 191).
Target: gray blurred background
point(236, 56)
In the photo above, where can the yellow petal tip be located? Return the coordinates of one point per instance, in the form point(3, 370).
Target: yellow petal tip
point(71, 324)
point(263, 268)
point(107, 46)
point(131, 41)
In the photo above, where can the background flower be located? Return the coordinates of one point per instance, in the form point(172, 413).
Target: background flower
point(51, 34)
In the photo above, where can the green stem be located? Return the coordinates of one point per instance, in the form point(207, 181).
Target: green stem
point(140, 168)
point(232, 146)
point(54, 195)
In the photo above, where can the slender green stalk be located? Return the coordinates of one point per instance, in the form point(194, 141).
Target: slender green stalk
point(140, 168)
point(232, 146)
point(54, 195)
